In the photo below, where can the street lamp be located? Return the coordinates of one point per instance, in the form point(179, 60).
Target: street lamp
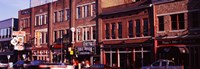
point(8, 56)
point(24, 56)
point(61, 50)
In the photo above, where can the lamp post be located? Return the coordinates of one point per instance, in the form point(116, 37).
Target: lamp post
point(61, 50)
point(24, 57)
point(8, 56)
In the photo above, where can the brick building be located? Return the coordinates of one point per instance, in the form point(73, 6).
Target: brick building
point(46, 25)
point(177, 31)
point(125, 32)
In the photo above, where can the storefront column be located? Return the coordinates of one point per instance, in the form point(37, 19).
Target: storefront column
point(133, 58)
point(142, 54)
point(111, 57)
point(190, 58)
point(118, 58)
point(91, 60)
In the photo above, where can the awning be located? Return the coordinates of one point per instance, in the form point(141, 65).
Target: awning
point(6, 53)
point(173, 49)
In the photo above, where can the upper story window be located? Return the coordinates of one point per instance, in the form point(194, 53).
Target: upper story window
point(60, 16)
point(78, 34)
point(130, 28)
point(86, 10)
point(177, 21)
point(55, 35)
point(93, 9)
point(138, 28)
point(196, 19)
point(55, 17)
point(78, 11)
point(119, 29)
point(161, 23)
point(94, 32)
point(41, 19)
point(25, 23)
point(107, 31)
point(67, 14)
point(113, 30)
point(146, 27)
point(5, 32)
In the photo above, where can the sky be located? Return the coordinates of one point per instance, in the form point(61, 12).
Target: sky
point(10, 8)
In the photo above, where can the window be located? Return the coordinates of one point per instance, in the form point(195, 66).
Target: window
point(46, 19)
point(86, 11)
point(94, 32)
point(130, 28)
point(177, 21)
point(93, 9)
point(161, 23)
point(196, 18)
point(138, 28)
point(164, 63)
point(113, 31)
point(156, 64)
point(67, 14)
point(43, 19)
point(55, 36)
point(55, 16)
point(61, 14)
point(37, 21)
point(78, 34)
point(88, 33)
point(119, 29)
point(61, 33)
point(78, 12)
point(107, 31)
point(146, 24)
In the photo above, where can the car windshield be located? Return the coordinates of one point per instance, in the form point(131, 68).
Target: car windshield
point(156, 64)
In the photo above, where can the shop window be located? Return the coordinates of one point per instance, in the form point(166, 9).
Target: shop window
point(138, 28)
point(177, 21)
point(113, 31)
point(196, 20)
point(119, 29)
point(130, 28)
point(107, 31)
point(161, 23)
point(145, 27)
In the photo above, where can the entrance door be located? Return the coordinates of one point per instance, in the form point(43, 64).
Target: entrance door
point(126, 61)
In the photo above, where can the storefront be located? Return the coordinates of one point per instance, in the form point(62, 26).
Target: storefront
point(183, 51)
point(86, 52)
point(40, 54)
point(128, 56)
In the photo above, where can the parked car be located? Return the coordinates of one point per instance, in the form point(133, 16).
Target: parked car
point(4, 65)
point(99, 66)
point(55, 66)
point(163, 64)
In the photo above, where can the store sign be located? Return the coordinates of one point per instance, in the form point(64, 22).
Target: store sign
point(87, 50)
point(89, 43)
point(19, 33)
point(186, 41)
